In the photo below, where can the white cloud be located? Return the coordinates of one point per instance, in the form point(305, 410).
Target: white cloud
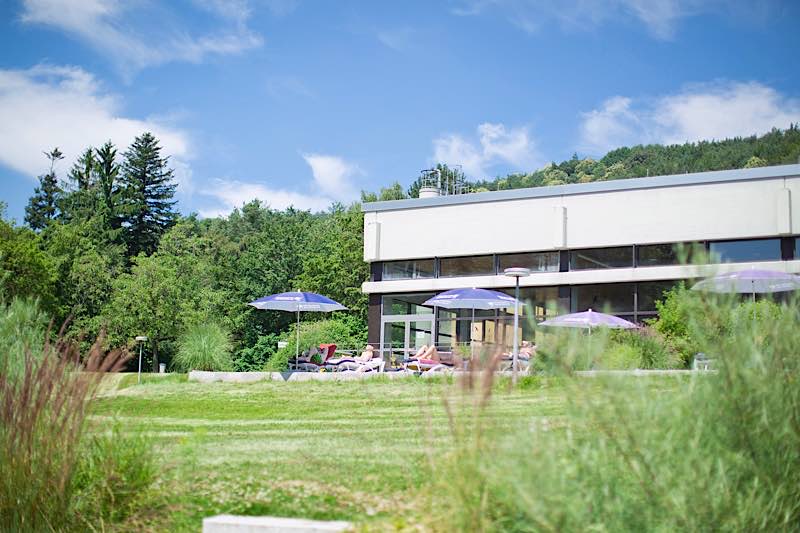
point(230, 194)
point(497, 145)
point(699, 112)
point(48, 106)
point(659, 16)
point(333, 175)
point(331, 182)
point(110, 28)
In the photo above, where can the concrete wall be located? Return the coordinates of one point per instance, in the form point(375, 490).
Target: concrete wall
point(712, 211)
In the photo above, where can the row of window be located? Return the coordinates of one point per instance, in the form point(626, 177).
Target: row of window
point(738, 251)
point(617, 298)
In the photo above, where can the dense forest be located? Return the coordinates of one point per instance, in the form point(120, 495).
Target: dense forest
point(105, 247)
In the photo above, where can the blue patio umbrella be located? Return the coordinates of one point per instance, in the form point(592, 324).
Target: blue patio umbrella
point(297, 301)
point(473, 299)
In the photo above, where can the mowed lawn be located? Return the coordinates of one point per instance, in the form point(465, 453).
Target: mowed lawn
point(356, 451)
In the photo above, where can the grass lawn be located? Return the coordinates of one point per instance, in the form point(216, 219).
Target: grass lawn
point(329, 450)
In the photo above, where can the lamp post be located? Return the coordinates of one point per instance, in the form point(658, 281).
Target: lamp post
point(516, 273)
point(141, 339)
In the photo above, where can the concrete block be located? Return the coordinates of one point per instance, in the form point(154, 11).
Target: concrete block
point(269, 524)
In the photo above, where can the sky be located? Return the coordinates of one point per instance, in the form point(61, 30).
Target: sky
point(304, 102)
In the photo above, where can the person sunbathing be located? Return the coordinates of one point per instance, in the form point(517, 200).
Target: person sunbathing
point(527, 350)
point(367, 355)
point(427, 353)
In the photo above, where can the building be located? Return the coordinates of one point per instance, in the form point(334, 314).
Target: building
point(611, 246)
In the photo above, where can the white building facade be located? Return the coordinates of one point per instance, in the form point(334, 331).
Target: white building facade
point(614, 246)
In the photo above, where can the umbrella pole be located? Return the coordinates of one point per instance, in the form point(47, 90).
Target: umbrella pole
point(297, 342)
point(471, 343)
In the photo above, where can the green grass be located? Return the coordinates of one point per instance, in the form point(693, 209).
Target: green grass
point(329, 450)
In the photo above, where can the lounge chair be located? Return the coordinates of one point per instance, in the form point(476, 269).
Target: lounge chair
point(364, 362)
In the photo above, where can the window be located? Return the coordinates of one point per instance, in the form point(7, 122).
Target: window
point(479, 265)
point(664, 254)
point(596, 258)
point(650, 292)
point(536, 262)
point(415, 269)
point(607, 298)
point(744, 251)
point(407, 304)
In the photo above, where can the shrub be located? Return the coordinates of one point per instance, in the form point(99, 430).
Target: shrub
point(344, 331)
point(22, 328)
point(254, 358)
point(649, 346)
point(52, 475)
point(204, 347)
point(717, 451)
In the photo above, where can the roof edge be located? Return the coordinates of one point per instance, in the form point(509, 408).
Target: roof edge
point(653, 182)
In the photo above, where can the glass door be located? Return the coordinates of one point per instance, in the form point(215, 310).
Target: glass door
point(403, 335)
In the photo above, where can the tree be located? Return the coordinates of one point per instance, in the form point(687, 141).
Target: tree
point(43, 205)
point(79, 201)
point(107, 180)
point(82, 174)
point(147, 208)
point(25, 271)
point(754, 162)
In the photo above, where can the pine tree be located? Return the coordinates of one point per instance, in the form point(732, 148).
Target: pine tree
point(43, 205)
point(82, 174)
point(147, 209)
point(107, 170)
point(79, 202)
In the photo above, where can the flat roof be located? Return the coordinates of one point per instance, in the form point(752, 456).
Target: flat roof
point(627, 184)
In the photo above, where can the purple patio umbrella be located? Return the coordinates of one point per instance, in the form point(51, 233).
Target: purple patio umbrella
point(297, 301)
point(750, 281)
point(472, 299)
point(588, 319)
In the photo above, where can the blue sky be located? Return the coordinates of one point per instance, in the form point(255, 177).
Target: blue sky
point(301, 102)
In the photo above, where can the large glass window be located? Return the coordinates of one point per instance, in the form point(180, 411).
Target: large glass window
point(596, 258)
point(744, 251)
point(616, 298)
point(650, 292)
point(418, 268)
point(664, 254)
point(407, 304)
point(536, 262)
point(479, 265)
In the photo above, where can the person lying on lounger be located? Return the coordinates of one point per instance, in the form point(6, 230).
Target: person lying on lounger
point(427, 352)
point(367, 355)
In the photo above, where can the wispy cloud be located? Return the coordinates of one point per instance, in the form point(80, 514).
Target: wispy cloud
point(286, 87)
point(699, 112)
point(659, 16)
point(333, 175)
point(135, 35)
point(66, 106)
point(331, 182)
point(496, 145)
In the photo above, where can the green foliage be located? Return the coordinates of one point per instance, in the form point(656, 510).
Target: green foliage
point(56, 477)
point(346, 331)
point(333, 261)
point(25, 270)
point(203, 347)
point(648, 348)
point(719, 451)
point(254, 358)
point(675, 310)
point(22, 329)
point(42, 207)
point(147, 209)
point(113, 478)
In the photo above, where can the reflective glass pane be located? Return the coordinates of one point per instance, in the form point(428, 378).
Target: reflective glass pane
point(607, 298)
point(480, 265)
point(406, 304)
point(650, 292)
point(419, 268)
point(421, 333)
point(536, 262)
point(597, 258)
point(744, 251)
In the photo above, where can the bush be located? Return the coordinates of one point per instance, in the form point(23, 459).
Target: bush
point(55, 477)
point(647, 347)
point(22, 328)
point(344, 331)
point(254, 358)
point(204, 347)
point(717, 451)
